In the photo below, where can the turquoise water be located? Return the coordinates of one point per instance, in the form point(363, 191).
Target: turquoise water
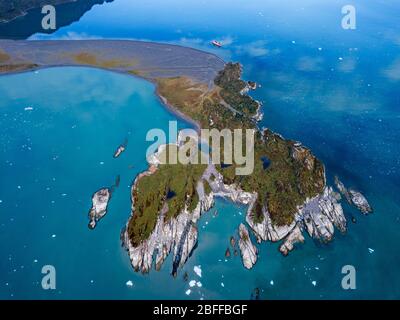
point(334, 90)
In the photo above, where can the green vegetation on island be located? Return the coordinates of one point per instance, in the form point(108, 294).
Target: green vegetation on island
point(284, 176)
point(171, 185)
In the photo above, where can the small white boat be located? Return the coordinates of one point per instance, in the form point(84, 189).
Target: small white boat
point(119, 151)
point(216, 43)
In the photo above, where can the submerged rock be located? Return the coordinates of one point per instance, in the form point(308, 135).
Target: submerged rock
point(232, 241)
point(247, 249)
point(100, 202)
point(256, 294)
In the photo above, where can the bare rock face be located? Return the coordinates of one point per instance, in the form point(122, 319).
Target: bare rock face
point(100, 201)
point(247, 249)
point(294, 237)
point(321, 214)
point(177, 236)
point(354, 197)
point(360, 201)
point(232, 241)
point(317, 216)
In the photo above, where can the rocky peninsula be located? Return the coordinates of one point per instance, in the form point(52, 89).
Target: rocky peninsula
point(286, 194)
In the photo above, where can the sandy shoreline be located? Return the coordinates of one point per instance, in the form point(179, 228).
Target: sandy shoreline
point(144, 60)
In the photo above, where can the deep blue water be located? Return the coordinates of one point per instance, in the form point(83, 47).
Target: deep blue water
point(336, 91)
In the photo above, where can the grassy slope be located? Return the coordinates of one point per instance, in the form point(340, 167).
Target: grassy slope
point(173, 184)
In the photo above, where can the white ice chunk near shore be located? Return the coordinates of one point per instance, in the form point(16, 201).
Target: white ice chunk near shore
point(197, 270)
point(192, 283)
point(129, 283)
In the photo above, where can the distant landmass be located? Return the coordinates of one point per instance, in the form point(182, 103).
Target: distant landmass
point(12, 9)
point(19, 19)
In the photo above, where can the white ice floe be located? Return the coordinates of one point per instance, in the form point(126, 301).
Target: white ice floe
point(271, 282)
point(188, 291)
point(222, 284)
point(28, 108)
point(1, 201)
point(192, 283)
point(199, 284)
point(53, 235)
point(314, 283)
point(371, 250)
point(129, 283)
point(197, 270)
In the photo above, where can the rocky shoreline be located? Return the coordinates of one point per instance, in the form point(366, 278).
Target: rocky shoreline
point(248, 250)
point(318, 217)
